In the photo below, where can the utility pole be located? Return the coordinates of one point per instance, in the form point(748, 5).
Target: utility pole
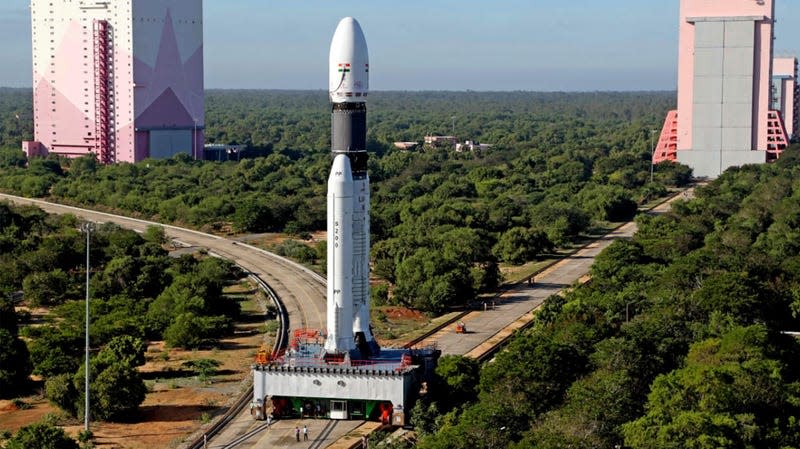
point(88, 228)
point(455, 141)
point(652, 154)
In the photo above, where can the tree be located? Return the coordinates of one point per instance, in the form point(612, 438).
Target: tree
point(155, 234)
point(607, 202)
point(191, 331)
point(460, 377)
point(482, 426)
point(672, 173)
point(125, 350)
point(539, 367)
point(731, 393)
point(296, 250)
point(47, 288)
point(12, 158)
point(385, 255)
point(84, 165)
point(253, 215)
point(596, 405)
point(204, 368)
point(117, 392)
point(519, 245)
point(15, 365)
point(560, 220)
point(116, 388)
point(41, 436)
point(58, 353)
point(61, 391)
point(8, 314)
point(428, 282)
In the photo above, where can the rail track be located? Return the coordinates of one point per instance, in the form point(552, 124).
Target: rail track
point(241, 403)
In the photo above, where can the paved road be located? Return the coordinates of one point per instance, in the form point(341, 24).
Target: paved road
point(524, 298)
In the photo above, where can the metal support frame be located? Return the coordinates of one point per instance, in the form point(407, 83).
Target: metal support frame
point(777, 139)
point(667, 147)
point(102, 104)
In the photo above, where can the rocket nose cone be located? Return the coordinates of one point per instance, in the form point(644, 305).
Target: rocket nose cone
point(348, 62)
point(349, 29)
point(348, 21)
point(340, 182)
point(340, 169)
point(349, 42)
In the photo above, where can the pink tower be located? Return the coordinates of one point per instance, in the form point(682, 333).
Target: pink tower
point(784, 92)
point(724, 76)
point(120, 79)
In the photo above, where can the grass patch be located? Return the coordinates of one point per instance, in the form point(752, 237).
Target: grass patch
point(270, 327)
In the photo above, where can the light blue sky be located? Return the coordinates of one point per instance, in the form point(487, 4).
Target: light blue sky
point(432, 44)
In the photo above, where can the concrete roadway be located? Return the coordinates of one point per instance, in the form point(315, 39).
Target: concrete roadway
point(523, 298)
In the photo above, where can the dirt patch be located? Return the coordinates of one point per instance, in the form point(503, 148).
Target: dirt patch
point(391, 323)
point(8, 406)
point(13, 417)
point(270, 239)
point(403, 313)
point(165, 419)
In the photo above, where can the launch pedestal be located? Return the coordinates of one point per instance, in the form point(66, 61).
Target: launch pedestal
point(379, 390)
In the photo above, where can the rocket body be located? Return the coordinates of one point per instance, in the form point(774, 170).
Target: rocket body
point(361, 258)
point(348, 88)
point(340, 262)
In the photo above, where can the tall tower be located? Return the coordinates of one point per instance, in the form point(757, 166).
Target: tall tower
point(784, 92)
point(724, 75)
point(121, 79)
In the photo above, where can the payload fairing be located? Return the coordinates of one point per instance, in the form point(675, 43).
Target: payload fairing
point(348, 196)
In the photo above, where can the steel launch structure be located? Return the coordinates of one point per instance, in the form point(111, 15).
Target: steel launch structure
point(785, 99)
point(122, 80)
point(341, 372)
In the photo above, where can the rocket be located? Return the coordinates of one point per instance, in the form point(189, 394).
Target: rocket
point(348, 196)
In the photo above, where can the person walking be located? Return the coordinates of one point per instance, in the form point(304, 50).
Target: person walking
point(305, 433)
point(297, 433)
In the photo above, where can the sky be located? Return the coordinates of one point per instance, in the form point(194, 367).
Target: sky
point(535, 45)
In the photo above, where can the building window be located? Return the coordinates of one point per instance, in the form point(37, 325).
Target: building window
point(338, 406)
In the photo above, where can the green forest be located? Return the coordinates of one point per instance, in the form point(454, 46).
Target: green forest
point(442, 222)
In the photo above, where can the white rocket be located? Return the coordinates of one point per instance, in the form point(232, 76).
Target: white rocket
point(348, 196)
